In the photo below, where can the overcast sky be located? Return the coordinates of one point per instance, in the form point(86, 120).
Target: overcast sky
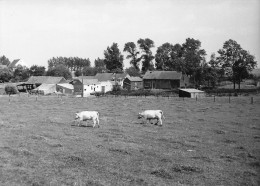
point(37, 30)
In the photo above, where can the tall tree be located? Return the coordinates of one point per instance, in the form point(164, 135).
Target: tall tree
point(37, 70)
point(193, 55)
point(145, 45)
point(132, 71)
point(113, 58)
point(59, 71)
point(4, 60)
point(130, 47)
point(21, 73)
point(163, 57)
point(235, 61)
point(5, 75)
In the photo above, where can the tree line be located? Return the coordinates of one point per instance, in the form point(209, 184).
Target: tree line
point(232, 63)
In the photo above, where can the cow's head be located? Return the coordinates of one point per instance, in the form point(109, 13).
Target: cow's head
point(76, 116)
point(140, 115)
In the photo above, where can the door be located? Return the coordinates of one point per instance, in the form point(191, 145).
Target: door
point(103, 89)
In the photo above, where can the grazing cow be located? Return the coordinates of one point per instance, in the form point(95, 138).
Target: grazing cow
point(87, 115)
point(152, 114)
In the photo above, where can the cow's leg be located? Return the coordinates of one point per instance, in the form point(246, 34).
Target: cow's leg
point(94, 121)
point(98, 122)
point(160, 119)
point(156, 121)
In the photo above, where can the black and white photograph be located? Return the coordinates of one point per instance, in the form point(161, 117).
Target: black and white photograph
point(129, 92)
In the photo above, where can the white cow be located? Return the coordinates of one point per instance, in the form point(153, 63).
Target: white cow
point(152, 114)
point(87, 115)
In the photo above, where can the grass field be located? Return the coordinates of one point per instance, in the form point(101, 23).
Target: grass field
point(201, 142)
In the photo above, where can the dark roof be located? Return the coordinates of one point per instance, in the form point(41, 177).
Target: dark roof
point(135, 79)
point(45, 79)
point(11, 65)
point(85, 77)
point(162, 75)
point(104, 76)
point(110, 76)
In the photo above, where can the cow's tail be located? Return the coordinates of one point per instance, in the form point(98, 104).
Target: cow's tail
point(162, 114)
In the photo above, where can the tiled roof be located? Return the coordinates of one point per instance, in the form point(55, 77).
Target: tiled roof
point(190, 90)
point(135, 79)
point(90, 81)
point(67, 85)
point(162, 75)
point(45, 79)
point(109, 76)
point(11, 65)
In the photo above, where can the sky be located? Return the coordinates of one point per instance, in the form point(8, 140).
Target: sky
point(37, 30)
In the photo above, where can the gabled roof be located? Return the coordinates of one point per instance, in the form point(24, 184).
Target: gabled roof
point(162, 75)
point(11, 65)
point(104, 76)
point(90, 81)
point(110, 76)
point(135, 79)
point(85, 77)
point(46, 80)
point(67, 85)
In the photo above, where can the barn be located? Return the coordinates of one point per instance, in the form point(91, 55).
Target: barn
point(133, 83)
point(116, 77)
point(35, 81)
point(191, 93)
point(165, 80)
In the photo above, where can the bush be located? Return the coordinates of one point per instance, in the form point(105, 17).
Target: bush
point(10, 89)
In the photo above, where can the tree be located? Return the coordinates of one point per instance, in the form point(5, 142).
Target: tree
point(235, 61)
point(163, 57)
point(145, 45)
point(113, 58)
point(21, 73)
point(73, 63)
point(130, 47)
point(59, 71)
point(37, 70)
point(99, 63)
point(4, 61)
point(132, 71)
point(89, 71)
point(5, 75)
point(192, 55)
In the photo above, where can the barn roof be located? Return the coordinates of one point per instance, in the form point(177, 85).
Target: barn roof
point(45, 79)
point(67, 85)
point(135, 79)
point(90, 81)
point(110, 76)
point(191, 90)
point(162, 75)
point(11, 65)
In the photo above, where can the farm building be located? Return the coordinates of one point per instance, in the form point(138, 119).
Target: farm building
point(46, 88)
point(133, 83)
point(191, 93)
point(65, 88)
point(165, 80)
point(35, 81)
point(117, 77)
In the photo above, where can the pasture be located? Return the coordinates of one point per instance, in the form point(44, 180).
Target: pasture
point(201, 142)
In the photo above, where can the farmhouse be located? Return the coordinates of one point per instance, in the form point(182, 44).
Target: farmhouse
point(165, 80)
point(35, 81)
point(133, 83)
point(191, 93)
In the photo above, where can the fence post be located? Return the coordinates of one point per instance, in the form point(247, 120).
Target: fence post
point(196, 98)
point(252, 100)
point(214, 98)
point(9, 98)
point(229, 98)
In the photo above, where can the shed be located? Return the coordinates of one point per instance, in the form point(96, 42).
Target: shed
point(191, 93)
point(46, 88)
point(65, 88)
point(133, 83)
point(165, 80)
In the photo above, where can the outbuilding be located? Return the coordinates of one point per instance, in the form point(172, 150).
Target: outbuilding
point(191, 93)
point(165, 80)
point(133, 83)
